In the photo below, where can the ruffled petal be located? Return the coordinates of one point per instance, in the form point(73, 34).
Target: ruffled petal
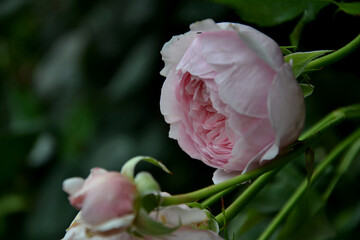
point(188, 233)
point(194, 63)
point(72, 185)
point(243, 78)
point(251, 146)
point(174, 50)
point(220, 175)
point(264, 47)
point(169, 106)
point(180, 215)
point(286, 107)
point(205, 25)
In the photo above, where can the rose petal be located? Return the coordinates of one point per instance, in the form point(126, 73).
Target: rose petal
point(195, 63)
point(173, 51)
point(72, 185)
point(248, 147)
point(220, 175)
point(205, 25)
point(169, 106)
point(188, 233)
point(243, 78)
point(286, 107)
point(264, 47)
point(109, 196)
point(180, 214)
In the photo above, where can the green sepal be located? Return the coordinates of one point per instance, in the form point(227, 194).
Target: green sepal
point(148, 190)
point(286, 50)
point(301, 59)
point(307, 89)
point(145, 225)
point(129, 167)
point(211, 223)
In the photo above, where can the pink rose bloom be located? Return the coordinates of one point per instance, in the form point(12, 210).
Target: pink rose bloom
point(229, 97)
point(102, 196)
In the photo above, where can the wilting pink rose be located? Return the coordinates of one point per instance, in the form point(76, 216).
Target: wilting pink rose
point(229, 97)
point(102, 196)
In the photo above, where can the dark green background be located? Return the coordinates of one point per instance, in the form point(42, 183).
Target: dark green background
point(80, 87)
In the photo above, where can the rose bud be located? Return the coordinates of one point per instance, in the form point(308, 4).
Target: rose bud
point(102, 196)
point(229, 97)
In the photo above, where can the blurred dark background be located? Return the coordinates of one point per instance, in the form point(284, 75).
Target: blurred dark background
point(80, 87)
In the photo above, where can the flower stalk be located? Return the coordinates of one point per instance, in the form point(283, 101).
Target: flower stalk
point(231, 211)
point(335, 56)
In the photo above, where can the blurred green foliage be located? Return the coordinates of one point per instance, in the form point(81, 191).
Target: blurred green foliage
point(80, 87)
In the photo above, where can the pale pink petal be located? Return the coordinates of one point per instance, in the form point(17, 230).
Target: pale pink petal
point(188, 233)
point(286, 107)
point(174, 50)
point(109, 196)
point(97, 171)
point(255, 162)
point(241, 124)
point(264, 47)
point(205, 25)
point(271, 153)
point(220, 175)
point(80, 231)
point(169, 106)
point(187, 144)
point(179, 215)
point(195, 63)
point(72, 185)
point(115, 223)
point(243, 78)
point(248, 147)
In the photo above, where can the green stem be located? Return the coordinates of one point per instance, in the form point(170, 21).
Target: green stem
point(294, 199)
point(295, 150)
point(335, 56)
point(331, 120)
point(342, 168)
point(231, 211)
point(211, 200)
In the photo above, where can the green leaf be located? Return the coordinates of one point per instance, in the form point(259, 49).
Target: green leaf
point(301, 59)
point(129, 167)
point(145, 225)
point(286, 49)
point(270, 13)
point(352, 8)
point(307, 89)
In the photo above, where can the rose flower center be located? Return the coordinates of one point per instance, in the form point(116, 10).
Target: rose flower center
point(204, 124)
